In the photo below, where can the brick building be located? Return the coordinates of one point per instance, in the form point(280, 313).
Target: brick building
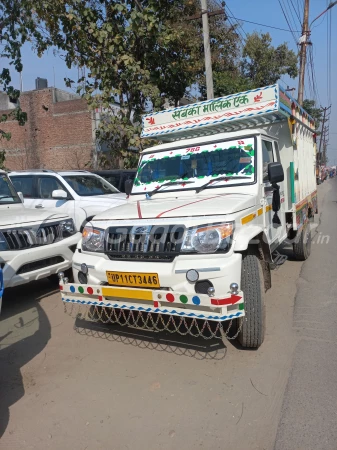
point(59, 133)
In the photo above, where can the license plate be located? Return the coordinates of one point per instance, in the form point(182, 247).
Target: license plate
point(136, 279)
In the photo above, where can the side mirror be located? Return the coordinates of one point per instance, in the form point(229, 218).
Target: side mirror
point(275, 173)
point(59, 194)
point(128, 186)
point(21, 197)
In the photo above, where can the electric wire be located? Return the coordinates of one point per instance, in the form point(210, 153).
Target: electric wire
point(288, 23)
point(296, 11)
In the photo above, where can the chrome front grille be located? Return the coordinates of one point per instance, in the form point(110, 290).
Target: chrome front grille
point(147, 243)
point(21, 239)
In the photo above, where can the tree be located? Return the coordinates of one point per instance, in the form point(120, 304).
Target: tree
point(316, 113)
point(137, 52)
point(262, 64)
point(17, 25)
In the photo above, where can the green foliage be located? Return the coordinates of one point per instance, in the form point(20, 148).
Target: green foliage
point(310, 107)
point(263, 64)
point(237, 68)
point(16, 27)
point(138, 53)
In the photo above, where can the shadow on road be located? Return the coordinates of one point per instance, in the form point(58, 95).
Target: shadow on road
point(181, 345)
point(24, 332)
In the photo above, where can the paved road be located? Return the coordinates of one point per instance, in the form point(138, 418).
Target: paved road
point(64, 385)
point(309, 411)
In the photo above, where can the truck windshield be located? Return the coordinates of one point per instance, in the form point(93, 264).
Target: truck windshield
point(199, 165)
point(7, 192)
point(88, 185)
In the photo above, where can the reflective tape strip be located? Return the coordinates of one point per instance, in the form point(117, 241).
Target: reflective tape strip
point(127, 293)
point(260, 212)
point(248, 218)
point(269, 208)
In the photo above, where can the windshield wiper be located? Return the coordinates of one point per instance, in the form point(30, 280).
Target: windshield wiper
point(170, 183)
point(204, 186)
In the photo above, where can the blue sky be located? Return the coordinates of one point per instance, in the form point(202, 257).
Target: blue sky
point(260, 11)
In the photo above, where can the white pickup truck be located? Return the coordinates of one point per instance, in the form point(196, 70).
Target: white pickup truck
point(195, 240)
point(34, 244)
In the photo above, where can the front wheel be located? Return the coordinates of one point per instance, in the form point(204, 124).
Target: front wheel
point(252, 325)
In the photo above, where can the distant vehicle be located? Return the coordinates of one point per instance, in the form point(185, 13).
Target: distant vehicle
point(78, 193)
point(117, 177)
point(34, 244)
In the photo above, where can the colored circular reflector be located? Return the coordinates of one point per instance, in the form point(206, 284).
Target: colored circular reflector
point(196, 300)
point(72, 289)
point(183, 299)
point(170, 297)
point(80, 289)
point(90, 290)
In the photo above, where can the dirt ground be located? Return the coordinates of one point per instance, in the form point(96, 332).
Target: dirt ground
point(67, 383)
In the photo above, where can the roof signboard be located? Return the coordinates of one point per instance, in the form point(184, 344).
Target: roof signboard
point(245, 109)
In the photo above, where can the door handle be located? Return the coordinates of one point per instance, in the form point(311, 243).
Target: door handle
point(39, 206)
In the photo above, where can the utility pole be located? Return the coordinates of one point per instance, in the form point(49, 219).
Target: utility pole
point(207, 50)
point(324, 135)
point(325, 144)
point(303, 52)
point(205, 14)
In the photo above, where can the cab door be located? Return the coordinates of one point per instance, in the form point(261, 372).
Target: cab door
point(275, 232)
point(25, 184)
point(45, 185)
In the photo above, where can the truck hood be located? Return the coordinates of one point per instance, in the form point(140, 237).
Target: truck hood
point(157, 207)
point(14, 218)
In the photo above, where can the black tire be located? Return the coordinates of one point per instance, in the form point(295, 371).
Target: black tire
point(302, 244)
point(252, 284)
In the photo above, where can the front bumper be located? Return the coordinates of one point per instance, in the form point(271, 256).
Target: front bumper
point(16, 264)
point(172, 303)
point(222, 271)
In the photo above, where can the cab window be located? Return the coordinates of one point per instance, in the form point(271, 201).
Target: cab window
point(24, 184)
point(46, 186)
point(268, 157)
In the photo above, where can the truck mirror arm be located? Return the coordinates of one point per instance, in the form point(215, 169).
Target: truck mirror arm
point(276, 204)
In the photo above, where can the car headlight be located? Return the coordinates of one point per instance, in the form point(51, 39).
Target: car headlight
point(3, 243)
point(92, 239)
point(209, 239)
point(67, 228)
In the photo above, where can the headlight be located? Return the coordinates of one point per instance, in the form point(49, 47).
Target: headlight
point(67, 228)
point(93, 239)
point(3, 243)
point(209, 239)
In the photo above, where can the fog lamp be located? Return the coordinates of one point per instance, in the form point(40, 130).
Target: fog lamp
point(192, 275)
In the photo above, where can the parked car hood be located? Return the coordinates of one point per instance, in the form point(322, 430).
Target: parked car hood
point(17, 217)
point(109, 199)
point(199, 205)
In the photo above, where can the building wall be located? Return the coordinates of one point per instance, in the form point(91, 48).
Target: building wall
point(58, 134)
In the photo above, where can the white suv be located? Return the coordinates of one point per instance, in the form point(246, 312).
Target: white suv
point(78, 193)
point(34, 244)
